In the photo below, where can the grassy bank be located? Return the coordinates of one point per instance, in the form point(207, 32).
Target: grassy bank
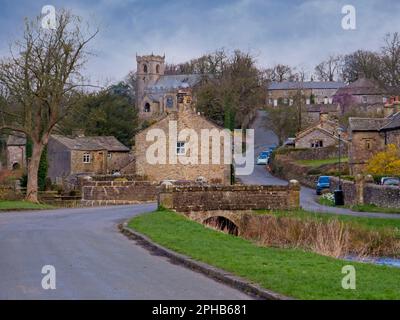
point(364, 222)
point(22, 205)
point(291, 272)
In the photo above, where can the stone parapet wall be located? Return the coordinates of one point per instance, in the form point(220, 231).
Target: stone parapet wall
point(349, 190)
point(119, 192)
point(369, 193)
point(382, 196)
point(208, 198)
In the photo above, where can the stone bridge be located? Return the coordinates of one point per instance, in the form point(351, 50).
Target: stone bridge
point(232, 222)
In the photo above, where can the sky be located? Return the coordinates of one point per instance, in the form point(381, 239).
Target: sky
point(300, 33)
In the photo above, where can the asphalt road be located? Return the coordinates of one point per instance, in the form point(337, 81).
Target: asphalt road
point(264, 138)
point(92, 259)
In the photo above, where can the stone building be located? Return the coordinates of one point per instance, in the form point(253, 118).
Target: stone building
point(314, 113)
point(392, 106)
point(324, 134)
point(369, 136)
point(365, 94)
point(91, 155)
point(159, 94)
point(180, 155)
point(16, 151)
point(313, 92)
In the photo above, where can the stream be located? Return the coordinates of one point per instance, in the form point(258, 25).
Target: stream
point(391, 262)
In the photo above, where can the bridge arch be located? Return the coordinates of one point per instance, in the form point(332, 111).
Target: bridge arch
point(223, 224)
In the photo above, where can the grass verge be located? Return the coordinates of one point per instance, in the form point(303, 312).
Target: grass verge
point(291, 272)
point(318, 163)
point(360, 207)
point(22, 205)
point(374, 208)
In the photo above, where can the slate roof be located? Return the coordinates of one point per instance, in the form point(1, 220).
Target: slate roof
point(174, 82)
point(362, 86)
point(16, 139)
point(289, 85)
point(367, 124)
point(322, 108)
point(108, 143)
point(393, 123)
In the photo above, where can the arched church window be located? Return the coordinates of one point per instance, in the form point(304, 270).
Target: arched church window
point(145, 68)
point(147, 107)
point(158, 68)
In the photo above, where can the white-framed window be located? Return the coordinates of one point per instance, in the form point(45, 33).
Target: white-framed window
point(317, 144)
point(109, 155)
point(86, 157)
point(364, 99)
point(180, 148)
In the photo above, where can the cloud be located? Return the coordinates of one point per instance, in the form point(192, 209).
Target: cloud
point(294, 32)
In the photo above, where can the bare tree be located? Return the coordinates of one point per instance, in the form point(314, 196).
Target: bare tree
point(391, 60)
point(361, 64)
point(329, 69)
point(40, 82)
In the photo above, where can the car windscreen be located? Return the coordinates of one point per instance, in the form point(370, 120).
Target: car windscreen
point(391, 181)
point(323, 180)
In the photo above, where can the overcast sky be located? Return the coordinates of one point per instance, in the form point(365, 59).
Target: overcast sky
point(295, 32)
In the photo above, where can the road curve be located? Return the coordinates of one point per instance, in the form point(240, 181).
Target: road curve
point(92, 259)
point(264, 138)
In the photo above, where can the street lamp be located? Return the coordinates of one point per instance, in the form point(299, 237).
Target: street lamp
point(339, 196)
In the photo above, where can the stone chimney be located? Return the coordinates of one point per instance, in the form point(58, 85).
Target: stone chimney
point(393, 106)
point(78, 133)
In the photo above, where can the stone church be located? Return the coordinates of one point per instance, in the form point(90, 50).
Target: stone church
point(159, 94)
point(165, 99)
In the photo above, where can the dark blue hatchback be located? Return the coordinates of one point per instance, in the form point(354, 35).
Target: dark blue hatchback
point(323, 182)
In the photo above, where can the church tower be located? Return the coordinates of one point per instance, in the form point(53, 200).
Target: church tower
point(149, 69)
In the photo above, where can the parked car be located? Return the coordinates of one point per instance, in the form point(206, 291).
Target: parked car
point(323, 183)
point(263, 158)
point(390, 181)
point(272, 148)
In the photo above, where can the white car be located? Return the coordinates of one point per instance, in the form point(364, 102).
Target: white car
point(262, 158)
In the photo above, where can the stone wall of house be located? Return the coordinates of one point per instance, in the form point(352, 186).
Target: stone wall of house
point(117, 160)
point(209, 198)
point(16, 157)
point(97, 165)
point(393, 137)
point(364, 145)
point(118, 192)
point(315, 135)
point(214, 173)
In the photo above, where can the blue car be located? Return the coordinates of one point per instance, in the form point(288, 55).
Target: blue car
point(272, 148)
point(323, 182)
